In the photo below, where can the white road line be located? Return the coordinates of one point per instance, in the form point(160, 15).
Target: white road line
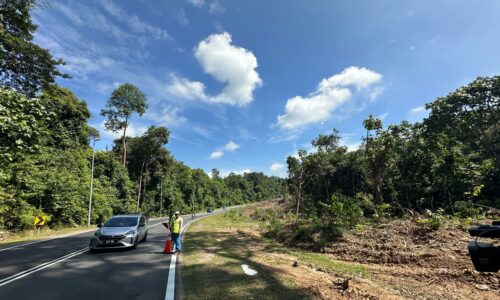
point(170, 292)
point(40, 267)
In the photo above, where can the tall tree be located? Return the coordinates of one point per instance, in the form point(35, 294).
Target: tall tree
point(125, 100)
point(146, 150)
point(297, 176)
point(24, 66)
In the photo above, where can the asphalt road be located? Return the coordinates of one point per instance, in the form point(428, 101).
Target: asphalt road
point(140, 273)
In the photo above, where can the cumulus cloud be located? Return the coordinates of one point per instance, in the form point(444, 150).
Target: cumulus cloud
point(225, 173)
point(216, 154)
point(231, 146)
point(330, 94)
point(225, 62)
point(277, 167)
point(186, 89)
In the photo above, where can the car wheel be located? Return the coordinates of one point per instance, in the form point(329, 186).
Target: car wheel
point(145, 237)
point(136, 242)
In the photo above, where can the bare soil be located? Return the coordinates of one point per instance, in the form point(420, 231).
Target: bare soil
point(417, 261)
point(397, 259)
point(404, 259)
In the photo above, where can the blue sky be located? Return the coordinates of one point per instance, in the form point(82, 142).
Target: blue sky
point(243, 84)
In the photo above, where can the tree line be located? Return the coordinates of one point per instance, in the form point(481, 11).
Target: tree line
point(448, 161)
point(46, 153)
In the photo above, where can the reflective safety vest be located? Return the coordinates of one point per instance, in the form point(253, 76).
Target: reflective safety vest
point(176, 228)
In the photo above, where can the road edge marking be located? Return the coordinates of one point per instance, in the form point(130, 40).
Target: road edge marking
point(170, 291)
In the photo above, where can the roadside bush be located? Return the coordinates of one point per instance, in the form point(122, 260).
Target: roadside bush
point(465, 209)
point(434, 220)
point(345, 211)
point(16, 213)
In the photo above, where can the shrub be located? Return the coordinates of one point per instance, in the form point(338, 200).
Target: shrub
point(465, 209)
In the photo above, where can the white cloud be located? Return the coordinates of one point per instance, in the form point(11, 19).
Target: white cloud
point(301, 111)
point(132, 131)
point(231, 146)
point(216, 8)
point(352, 76)
point(225, 173)
point(417, 109)
point(351, 146)
point(227, 64)
point(182, 18)
point(276, 167)
point(197, 3)
point(186, 89)
point(216, 154)
point(231, 64)
point(383, 116)
point(330, 94)
point(167, 116)
point(137, 25)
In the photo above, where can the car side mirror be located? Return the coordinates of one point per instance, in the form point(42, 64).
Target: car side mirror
point(99, 225)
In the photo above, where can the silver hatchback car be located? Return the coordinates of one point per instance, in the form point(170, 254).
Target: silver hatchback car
point(121, 231)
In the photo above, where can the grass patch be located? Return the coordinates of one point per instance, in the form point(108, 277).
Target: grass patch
point(214, 250)
point(217, 246)
point(329, 265)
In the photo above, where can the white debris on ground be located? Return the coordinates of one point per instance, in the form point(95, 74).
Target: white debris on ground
point(249, 271)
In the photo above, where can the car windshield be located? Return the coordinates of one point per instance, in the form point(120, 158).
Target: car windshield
point(121, 222)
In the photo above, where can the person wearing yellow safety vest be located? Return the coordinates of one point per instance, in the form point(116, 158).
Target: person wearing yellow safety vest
point(176, 232)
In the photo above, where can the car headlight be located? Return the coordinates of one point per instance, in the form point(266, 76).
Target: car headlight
point(130, 233)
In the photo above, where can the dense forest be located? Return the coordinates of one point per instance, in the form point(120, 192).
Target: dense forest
point(46, 148)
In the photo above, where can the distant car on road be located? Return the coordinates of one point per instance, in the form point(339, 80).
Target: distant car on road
point(121, 231)
point(209, 210)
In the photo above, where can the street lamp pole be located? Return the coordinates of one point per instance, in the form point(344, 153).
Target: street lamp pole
point(161, 196)
point(92, 179)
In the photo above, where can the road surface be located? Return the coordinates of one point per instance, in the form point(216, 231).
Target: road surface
point(63, 268)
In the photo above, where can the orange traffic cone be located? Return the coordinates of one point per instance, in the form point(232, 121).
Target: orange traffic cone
point(168, 247)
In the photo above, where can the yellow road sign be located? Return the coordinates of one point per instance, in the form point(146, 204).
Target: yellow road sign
point(40, 220)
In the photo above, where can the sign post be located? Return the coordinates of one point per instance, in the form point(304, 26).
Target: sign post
point(39, 222)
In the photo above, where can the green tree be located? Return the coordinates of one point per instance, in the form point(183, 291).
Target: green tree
point(145, 151)
point(24, 66)
point(67, 127)
point(21, 125)
point(125, 100)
